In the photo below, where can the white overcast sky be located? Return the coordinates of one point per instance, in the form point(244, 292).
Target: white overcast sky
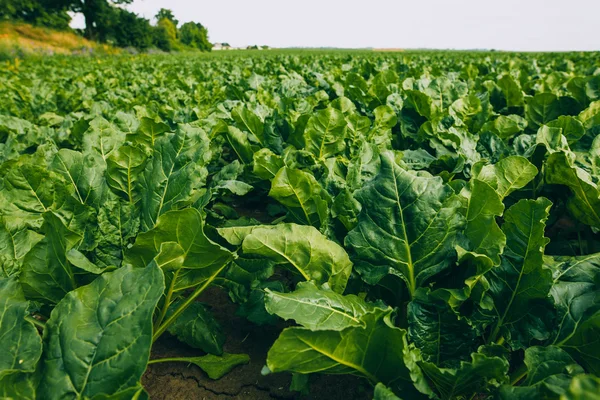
point(459, 24)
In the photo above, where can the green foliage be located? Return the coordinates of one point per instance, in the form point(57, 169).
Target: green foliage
point(195, 35)
point(425, 221)
point(165, 13)
point(47, 13)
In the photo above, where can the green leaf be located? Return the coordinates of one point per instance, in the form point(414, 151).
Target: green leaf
point(304, 248)
point(79, 260)
point(576, 295)
point(521, 280)
point(249, 122)
point(238, 141)
point(470, 377)
point(215, 366)
point(197, 328)
point(483, 206)
point(507, 175)
point(584, 203)
point(84, 172)
point(266, 164)
point(375, 351)
point(383, 393)
point(570, 127)
point(407, 226)
point(548, 371)
point(583, 387)
point(98, 338)
point(318, 309)
point(30, 190)
point(118, 224)
point(507, 126)
point(123, 172)
point(46, 274)
point(102, 137)
point(437, 331)
point(149, 131)
point(511, 91)
point(174, 173)
point(545, 107)
point(324, 133)
point(15, 243)
point(18, 386)
point(20, 343)
point(202, 259)
point(300, 192)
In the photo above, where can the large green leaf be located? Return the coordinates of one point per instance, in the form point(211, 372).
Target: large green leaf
point(97, 340)
point(576, 294)
point(47, 275)
point(482, 205)
point(190, 257)
point(324, 133)
point(123, 172)
point(521, 280)
point(20, 343)
point(376, 351)
point(251, 123)
point(302, 247)
point(318, 309)
point(383, 393)
point(584, 203)
point(437, 331)
point(15, 243)
point(102, 137)
point(197, 328)
point(18, 386)
point(29, 190)
point(507, 175)
point(583, 387)
point(84, 172)
point(300, 192)
point(407, 226)
point(174, 173)
point(548, 375)
point(475, 376)
point(118, 224)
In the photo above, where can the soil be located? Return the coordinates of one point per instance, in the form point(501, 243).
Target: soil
point(178, 381)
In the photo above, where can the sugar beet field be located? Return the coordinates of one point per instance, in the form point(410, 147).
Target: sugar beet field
point(301, 225)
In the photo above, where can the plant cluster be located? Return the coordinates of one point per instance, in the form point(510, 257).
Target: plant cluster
point(427, 221)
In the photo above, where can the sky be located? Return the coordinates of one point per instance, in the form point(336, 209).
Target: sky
point(527, 25)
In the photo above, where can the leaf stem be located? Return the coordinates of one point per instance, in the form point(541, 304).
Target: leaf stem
point(39, 324)
point(167, 303)
point(495, 332)
point(162, 328)
point(518, 374)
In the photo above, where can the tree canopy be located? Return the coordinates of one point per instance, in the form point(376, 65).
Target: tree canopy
point(106, 22)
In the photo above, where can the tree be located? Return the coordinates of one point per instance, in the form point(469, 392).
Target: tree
point(130, 30)
point(165, 35)
point(165, 13)
point(48, 13)
point(97, 14)
point(195, 35)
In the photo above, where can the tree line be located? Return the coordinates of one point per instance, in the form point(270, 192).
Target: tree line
point(107, 22)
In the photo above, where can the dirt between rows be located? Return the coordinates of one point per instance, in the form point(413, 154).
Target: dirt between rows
point(179, 381)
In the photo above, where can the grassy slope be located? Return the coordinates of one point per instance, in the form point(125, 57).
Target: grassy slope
point(22, 40)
